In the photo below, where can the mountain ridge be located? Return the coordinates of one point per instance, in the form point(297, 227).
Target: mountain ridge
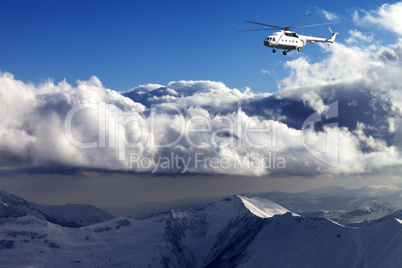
point(236, 231)
point(68, 215)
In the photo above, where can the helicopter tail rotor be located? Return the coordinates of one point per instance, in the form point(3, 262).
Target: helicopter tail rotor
point(333, 35)
point(337, 33)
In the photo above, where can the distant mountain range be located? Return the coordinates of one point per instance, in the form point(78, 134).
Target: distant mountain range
point(237, 231)
point(69, 215)
point(333, 198)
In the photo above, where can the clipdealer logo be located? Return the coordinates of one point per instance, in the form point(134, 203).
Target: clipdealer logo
point(113, 129)
point(144, 149)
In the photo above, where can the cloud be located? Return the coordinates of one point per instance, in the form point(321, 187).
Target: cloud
point(266, 72)
point(33, 118)
point(204, 127)
point(332, 16)
point(388, 16)
point(190, 93)
point(356, 37)
point(365, 79)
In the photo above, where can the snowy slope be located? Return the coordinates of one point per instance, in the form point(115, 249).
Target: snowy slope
point(210, 229)
point(316, 242)
point(234, 232)
point(362, 215)
point(34, 242)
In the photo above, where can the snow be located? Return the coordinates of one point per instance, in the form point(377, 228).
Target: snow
point(362, 215)
point(262, 208)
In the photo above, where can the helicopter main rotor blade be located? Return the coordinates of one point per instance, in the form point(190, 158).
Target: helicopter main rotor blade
point(278, 27)
point(299, 21)
point(314, 25)
point(258, 30)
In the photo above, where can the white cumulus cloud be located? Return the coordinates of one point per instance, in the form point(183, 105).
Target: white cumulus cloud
point(329, 15)
point(388, 16)
point(359, 37)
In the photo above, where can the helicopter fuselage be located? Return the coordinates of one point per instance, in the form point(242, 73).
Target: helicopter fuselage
point(284, 40)
point(289, 40)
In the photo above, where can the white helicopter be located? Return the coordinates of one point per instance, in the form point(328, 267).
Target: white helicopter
point(289, 40)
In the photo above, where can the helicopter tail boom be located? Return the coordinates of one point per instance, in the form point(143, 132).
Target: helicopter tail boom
point(334, 36)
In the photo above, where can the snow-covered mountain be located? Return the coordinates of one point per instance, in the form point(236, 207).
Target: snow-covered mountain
point(69, 215)
point(335, 198)
point(360, 216)
point(237, 231)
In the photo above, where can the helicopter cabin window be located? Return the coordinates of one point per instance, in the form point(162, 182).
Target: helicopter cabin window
point(291, 34)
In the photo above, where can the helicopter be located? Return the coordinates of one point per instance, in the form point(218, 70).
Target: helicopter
point(289, 40)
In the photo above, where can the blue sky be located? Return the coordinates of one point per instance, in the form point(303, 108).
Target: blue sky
point(128, 43)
